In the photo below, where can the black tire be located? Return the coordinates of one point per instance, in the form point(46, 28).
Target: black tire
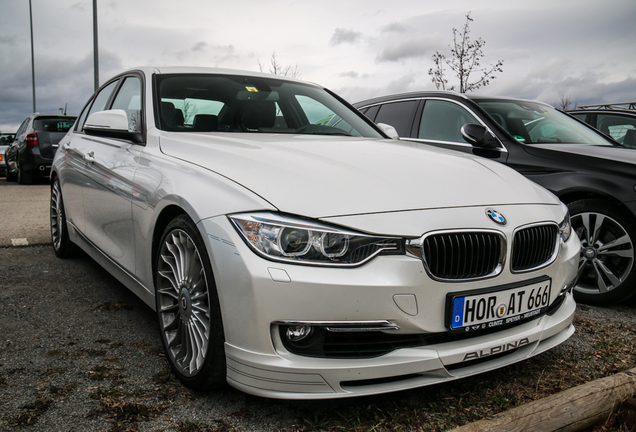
point(186, 298)
point(11, 177)
point(62, 245)
point(607, 273)
point(25, 177)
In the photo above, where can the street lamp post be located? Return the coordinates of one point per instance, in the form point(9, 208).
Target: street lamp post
point(95, 52)
point(32, 55)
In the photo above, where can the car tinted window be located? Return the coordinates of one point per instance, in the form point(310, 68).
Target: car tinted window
point(22, 128)
point(399, 115)
point(618, 127)
point(443, 120)
point(98, 103)
point(536, 123)
point(229, 103)
point(371, 112)
point(129, 99)
point(580, 116)
point(53, 124)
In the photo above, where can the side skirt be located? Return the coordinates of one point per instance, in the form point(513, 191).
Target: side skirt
point(122, 275)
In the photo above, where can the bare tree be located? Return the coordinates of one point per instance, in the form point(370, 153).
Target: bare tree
point(564, 104)
point(464, 60)
point(188, 111)
point(276, 68)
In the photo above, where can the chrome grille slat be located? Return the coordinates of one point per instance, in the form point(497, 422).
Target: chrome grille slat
point(463, 254)
point(534, 247)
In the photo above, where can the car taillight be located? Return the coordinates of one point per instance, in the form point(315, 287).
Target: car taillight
point(32, 139)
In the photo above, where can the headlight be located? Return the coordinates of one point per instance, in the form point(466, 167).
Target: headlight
point(565, 228)
point(292, 239)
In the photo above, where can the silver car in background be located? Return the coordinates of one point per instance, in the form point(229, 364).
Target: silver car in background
point(5, 140)
point(291, 249)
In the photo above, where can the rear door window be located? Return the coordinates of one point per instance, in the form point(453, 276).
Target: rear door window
point(400, 115)
point(618, 127)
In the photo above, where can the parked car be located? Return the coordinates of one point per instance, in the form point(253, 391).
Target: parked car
point(615, 120)
point(592, 174)
point(31, 153)
point(297, 259)
point(5, 140)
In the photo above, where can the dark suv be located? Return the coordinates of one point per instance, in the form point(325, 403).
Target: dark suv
point(31, 153)
point(594, 175)
point(615, 120)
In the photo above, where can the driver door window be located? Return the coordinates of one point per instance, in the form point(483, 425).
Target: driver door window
point(442, 121)
point(129, 99)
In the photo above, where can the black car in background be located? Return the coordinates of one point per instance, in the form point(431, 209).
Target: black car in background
point(615, 120)
point(31, 153)
point(594, 175)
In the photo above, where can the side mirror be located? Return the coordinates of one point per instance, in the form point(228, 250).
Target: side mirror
point(389, 130)
point(111, 124)
point(479, 136)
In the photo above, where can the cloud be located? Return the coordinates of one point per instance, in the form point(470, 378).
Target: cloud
point(402, 84)
point(350, 74)
point(411, 48)
point(342, 36)
point(394, 28)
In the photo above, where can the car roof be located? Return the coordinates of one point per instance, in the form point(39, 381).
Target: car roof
point(603, 111)
point(160, 70)
point(439, 93)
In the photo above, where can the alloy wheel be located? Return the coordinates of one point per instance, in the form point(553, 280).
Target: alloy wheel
point(607, 253)
point(183, 303)
point(57, 216)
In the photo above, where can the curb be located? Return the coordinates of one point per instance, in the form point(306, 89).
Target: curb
point(572, 410)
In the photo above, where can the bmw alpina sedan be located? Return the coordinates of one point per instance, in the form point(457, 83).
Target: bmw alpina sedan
point(292, 250)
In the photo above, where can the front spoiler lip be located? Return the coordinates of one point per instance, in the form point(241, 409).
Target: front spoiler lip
point(295, 377)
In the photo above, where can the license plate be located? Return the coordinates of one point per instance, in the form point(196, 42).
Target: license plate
point(482, 310)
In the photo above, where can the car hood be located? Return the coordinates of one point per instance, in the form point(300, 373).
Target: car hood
point(323, 176)
point(619, 154)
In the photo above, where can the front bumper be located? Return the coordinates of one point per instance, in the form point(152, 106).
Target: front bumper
point(256, 295)
point(293, 377)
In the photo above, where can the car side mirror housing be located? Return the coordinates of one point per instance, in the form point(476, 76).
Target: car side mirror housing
point(389, 130)
point(479, 136)
point(111, 124)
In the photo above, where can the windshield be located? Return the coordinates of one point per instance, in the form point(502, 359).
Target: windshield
point(535, 123)
point(230, 103)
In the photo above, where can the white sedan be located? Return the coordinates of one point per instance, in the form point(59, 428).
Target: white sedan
point(291, 249)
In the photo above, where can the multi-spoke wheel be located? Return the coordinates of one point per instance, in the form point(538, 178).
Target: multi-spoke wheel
point(188, 308)
point(62, 245)
point(606, 264)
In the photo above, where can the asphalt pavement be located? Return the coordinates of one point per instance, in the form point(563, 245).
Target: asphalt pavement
point(24, 214)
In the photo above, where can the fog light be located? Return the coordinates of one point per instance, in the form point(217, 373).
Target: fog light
point(298, 333)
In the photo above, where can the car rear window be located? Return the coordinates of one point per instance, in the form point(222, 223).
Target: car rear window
point(53, 124)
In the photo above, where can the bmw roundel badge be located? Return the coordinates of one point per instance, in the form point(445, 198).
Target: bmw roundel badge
point(496, 217)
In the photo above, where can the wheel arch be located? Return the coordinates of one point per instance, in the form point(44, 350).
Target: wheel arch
point(571, 196)
point(167, 214)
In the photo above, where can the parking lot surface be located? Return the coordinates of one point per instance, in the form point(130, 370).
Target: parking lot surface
point(79, 352)
point(24, 214)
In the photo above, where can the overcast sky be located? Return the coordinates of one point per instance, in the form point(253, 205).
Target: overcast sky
point(580, 49)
